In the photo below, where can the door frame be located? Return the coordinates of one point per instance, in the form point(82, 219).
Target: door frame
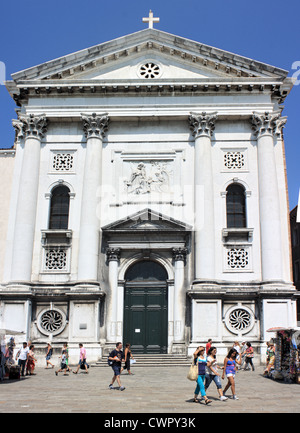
point(167, 264)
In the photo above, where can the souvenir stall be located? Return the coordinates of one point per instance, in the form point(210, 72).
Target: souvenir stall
point(8, 367)
point(2, 356)
point(287, 346)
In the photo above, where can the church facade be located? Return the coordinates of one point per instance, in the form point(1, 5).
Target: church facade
point(145, 199)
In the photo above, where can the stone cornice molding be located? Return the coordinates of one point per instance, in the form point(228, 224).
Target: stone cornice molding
point(202, 124)
point(268, 123)
point(113, 254)
point(95, 125)
point(179, 254)
point(31, 126)
point(154, 40)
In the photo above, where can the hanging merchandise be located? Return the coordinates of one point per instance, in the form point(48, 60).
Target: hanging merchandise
point(286, 366)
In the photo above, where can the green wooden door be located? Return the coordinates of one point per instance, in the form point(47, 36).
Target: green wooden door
point(146, 317)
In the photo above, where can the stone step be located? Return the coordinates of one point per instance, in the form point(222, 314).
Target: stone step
point(153, 360)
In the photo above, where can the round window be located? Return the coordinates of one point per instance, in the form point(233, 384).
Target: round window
point(239, 320)
point(149, 70)
point(51, 322)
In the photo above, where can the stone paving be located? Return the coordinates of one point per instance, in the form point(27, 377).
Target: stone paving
point(149, 390)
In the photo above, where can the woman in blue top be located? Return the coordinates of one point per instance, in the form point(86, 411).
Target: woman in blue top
point(200, 358)
point(229, 368)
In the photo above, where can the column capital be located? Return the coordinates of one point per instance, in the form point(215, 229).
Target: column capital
point(202, 124)
point(179, 254)
point(95, 125)
point(268, 123)
point(30, 125)
point(113, 254)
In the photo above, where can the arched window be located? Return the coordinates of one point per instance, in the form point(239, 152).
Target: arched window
point(59, 208)
point(236, 206)
point(146, 271)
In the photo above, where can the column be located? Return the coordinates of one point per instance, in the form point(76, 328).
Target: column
point(32, 128)
point(266, 126)
point(113, 256)
point(203, 126)
point(179, 255)
point(94, 128)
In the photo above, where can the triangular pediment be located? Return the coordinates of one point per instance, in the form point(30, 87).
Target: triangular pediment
point(145, 221)
point(121, 58)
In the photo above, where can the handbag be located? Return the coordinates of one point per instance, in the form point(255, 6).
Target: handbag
point(193, 372)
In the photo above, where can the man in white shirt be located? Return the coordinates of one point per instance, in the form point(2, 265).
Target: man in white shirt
point(22, 357)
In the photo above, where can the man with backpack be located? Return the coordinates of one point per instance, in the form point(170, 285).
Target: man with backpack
point(115, 359)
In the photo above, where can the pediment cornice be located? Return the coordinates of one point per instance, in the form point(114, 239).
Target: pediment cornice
point(152, 40)
point(146, 220)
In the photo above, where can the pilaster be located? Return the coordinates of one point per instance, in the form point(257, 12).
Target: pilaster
point(179, 255)
point(113, 256)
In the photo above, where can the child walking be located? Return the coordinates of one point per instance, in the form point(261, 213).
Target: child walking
point(63, 364)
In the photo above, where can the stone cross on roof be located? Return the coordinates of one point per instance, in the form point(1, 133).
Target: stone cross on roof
point(150, 20)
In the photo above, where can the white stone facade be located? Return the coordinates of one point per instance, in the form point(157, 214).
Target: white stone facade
point(147, 132)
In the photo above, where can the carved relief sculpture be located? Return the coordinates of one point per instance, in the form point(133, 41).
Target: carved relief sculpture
point(148, 177)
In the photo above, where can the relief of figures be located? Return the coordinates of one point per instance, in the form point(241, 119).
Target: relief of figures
point(148, 177)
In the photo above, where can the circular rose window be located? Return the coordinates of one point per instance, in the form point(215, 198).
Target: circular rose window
point(149, 70)
point(51, 322)
point(239, 320)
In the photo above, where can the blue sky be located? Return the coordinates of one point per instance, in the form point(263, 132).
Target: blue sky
point(33, 32)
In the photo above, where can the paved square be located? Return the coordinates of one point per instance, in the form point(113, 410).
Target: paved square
point(149, 390)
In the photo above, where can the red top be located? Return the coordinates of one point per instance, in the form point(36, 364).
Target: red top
point(208, 346)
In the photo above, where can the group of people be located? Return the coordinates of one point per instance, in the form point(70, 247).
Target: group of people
point(27, 360)
point(205, 359)
point(64, 363)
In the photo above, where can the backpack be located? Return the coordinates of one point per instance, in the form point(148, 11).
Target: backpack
point(109, 361)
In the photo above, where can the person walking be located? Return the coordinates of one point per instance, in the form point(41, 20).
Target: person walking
point(65, 347)
point(22, 357)
point(270, 357)
point(116, 356)
point(127, 357)
point(208, 345)
point(31, 360)
point(201, 360)
point(230, 362)
point(249, 354)
point(243, 357)
point(49, 355)
point(212, 374)
point(237, 347)
point(63, 364)
point(82, 359)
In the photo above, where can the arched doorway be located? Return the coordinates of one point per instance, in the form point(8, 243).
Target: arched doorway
point(146, 308)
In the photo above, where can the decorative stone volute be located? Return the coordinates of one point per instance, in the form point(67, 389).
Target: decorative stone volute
point(202, 124)
point(95, 125)
point(268, 123)
point(30, 126)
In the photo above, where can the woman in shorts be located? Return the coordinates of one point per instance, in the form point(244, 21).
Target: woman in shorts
point(49, 355)
point(230, 362)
